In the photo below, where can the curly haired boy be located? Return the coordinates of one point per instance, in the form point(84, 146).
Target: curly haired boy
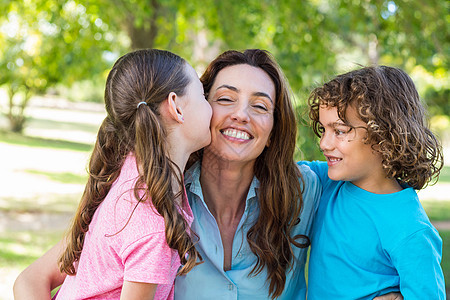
point(371, 235)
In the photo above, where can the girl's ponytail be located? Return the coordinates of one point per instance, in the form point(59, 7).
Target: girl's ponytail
point(104, 167)
point(162, 176)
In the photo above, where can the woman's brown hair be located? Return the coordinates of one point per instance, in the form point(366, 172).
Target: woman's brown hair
point(149, 76)
point(280, 192)
point(386, 99)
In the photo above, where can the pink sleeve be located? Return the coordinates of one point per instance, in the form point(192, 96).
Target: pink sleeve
point(149, 260)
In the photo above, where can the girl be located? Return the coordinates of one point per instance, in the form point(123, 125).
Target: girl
point(131, 230)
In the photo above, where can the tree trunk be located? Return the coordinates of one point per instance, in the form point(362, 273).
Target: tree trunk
point(16, 112)
point(144, 36)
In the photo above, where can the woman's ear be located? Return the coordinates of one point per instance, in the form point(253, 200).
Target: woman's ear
point(174, 109)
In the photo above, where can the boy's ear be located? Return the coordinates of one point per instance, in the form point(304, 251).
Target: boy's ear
point(174, 109)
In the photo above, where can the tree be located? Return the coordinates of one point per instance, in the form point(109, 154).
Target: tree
point(46, 42)
point(310, 39)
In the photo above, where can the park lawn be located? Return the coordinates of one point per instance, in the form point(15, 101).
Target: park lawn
point(18, 249)
point(437, 210)
point(446, 257)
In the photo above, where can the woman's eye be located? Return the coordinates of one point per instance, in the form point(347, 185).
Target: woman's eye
point(262, 107)
point(224, 100)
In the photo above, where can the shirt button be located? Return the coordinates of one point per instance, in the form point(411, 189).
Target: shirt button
point(230, 286)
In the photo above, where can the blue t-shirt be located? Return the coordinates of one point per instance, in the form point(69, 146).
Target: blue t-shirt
point(208, 280)
point(365, 244)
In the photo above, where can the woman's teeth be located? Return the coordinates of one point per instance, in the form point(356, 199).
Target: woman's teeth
point(237, 134)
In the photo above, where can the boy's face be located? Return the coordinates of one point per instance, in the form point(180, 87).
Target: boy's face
point(348, 157)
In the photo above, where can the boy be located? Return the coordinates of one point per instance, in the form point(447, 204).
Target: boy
point(371, 235)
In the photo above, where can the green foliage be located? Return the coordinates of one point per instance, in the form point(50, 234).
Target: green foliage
point(48, 42)
point(307, 141)
point(438, 101)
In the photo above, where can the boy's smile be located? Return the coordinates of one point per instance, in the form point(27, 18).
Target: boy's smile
point(349, 158)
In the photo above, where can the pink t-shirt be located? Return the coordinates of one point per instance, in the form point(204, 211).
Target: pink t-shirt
point(113, 253)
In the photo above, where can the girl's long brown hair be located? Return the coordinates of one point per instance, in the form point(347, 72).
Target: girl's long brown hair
point(280, 193)
point(386, 99)
point(149, 76)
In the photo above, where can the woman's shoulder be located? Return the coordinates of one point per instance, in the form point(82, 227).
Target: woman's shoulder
point(311, 186)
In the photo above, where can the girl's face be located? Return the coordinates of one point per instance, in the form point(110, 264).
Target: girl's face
point(349, 158)
point(197, 113)
point(243, 101)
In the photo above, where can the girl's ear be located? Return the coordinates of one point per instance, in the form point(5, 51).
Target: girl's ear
point(174, 109)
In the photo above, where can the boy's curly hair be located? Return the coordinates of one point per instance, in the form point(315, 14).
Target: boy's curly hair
point(386, 99)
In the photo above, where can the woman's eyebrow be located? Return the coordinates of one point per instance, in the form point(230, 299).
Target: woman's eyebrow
point(262, 94)
point(235, 89)
point(230, 87)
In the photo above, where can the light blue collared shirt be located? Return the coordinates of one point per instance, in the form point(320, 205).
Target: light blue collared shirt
point(208, 280)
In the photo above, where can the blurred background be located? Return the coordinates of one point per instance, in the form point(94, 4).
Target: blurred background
point(55, 55)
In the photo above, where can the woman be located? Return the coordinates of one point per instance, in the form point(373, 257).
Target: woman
point(253, 208)
point(246, 192)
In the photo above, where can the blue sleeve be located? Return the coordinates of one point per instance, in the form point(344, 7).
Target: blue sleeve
point(318, 167)
point(417, 260)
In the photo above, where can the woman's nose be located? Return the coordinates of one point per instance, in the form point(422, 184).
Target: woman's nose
point(241, 114)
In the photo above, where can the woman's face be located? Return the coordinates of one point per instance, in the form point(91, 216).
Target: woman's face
point(243, 101)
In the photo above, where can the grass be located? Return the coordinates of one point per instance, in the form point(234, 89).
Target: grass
point(19, 249)
point(49, 203)
point(445, 264)
point(37, 142)
point(445, 175)
point(62, 177)
point(437, 210)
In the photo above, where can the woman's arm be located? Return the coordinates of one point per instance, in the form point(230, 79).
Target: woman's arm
point(41, 277)
point(138, 290)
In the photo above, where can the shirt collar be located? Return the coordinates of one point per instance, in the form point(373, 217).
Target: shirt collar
point(192, 184)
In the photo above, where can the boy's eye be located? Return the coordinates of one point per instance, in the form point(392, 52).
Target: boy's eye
point(339, 132)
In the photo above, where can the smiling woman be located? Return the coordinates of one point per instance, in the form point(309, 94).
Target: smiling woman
point(245, 191)
point(243, 113)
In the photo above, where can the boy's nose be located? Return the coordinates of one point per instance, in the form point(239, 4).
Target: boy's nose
point(325, 143)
